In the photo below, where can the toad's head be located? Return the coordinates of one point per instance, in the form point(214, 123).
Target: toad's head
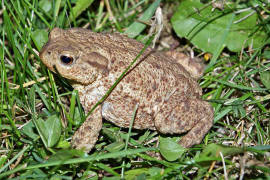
point(69, 55)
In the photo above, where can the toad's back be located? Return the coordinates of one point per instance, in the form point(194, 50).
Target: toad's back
point(152, 67)
point(154, 80)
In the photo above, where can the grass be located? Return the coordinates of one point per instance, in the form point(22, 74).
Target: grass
point(236, 84)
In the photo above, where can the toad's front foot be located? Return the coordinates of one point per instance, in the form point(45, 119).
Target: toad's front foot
point(86, 136)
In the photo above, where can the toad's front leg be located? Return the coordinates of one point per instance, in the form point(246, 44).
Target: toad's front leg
point(86, 136)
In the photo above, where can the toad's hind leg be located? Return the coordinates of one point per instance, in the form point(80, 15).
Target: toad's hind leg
point(193, 65)
point(193, 115)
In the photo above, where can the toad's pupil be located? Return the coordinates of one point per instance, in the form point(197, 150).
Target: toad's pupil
point(66, 59)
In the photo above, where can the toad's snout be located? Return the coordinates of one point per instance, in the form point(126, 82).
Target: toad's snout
point(46, 56)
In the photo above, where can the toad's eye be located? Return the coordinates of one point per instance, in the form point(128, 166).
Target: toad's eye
point(66, 59)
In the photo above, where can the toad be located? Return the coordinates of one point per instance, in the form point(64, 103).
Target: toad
point(163, 88)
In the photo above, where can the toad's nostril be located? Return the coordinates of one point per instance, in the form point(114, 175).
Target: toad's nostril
point(42, 53)
point(45, 50)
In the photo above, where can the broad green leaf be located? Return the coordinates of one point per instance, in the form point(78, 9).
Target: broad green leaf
point(54, 130)
point(170, 149)
point(140, 177)
point(136, 27)
point(49, 130)
point(46, 5)
point(63, 144)
point(39, 37)
point(80, 6)
point(40, 125)
point(206, 28)
point(265, 78)
point(29, 131)
point(132, 174)
point(155, 171)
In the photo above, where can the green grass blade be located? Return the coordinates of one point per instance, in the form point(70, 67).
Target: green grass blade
point(136, 28)
point(81, 160)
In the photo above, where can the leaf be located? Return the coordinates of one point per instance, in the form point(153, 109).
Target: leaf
point(140, 177)
point(54, 130)
point(155, 173)
point(80, 6)
point(29, 131)
point(206, 28)
point(133, 173)
point(39, 37)
point(49, 130)
point(265, 78)
point(136, 27)
point(45, 5)
point(170, 149)
point(63, 144)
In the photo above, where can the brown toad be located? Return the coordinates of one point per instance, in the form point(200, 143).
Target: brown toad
point(167, 95)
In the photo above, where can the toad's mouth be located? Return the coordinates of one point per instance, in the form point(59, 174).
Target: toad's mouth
point(72, 80)
point(55, 70)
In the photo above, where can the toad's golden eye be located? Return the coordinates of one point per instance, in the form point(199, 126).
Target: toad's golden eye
point(66, 59)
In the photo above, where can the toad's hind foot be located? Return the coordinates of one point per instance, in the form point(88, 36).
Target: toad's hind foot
point(193, 115)
point(198, 131)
